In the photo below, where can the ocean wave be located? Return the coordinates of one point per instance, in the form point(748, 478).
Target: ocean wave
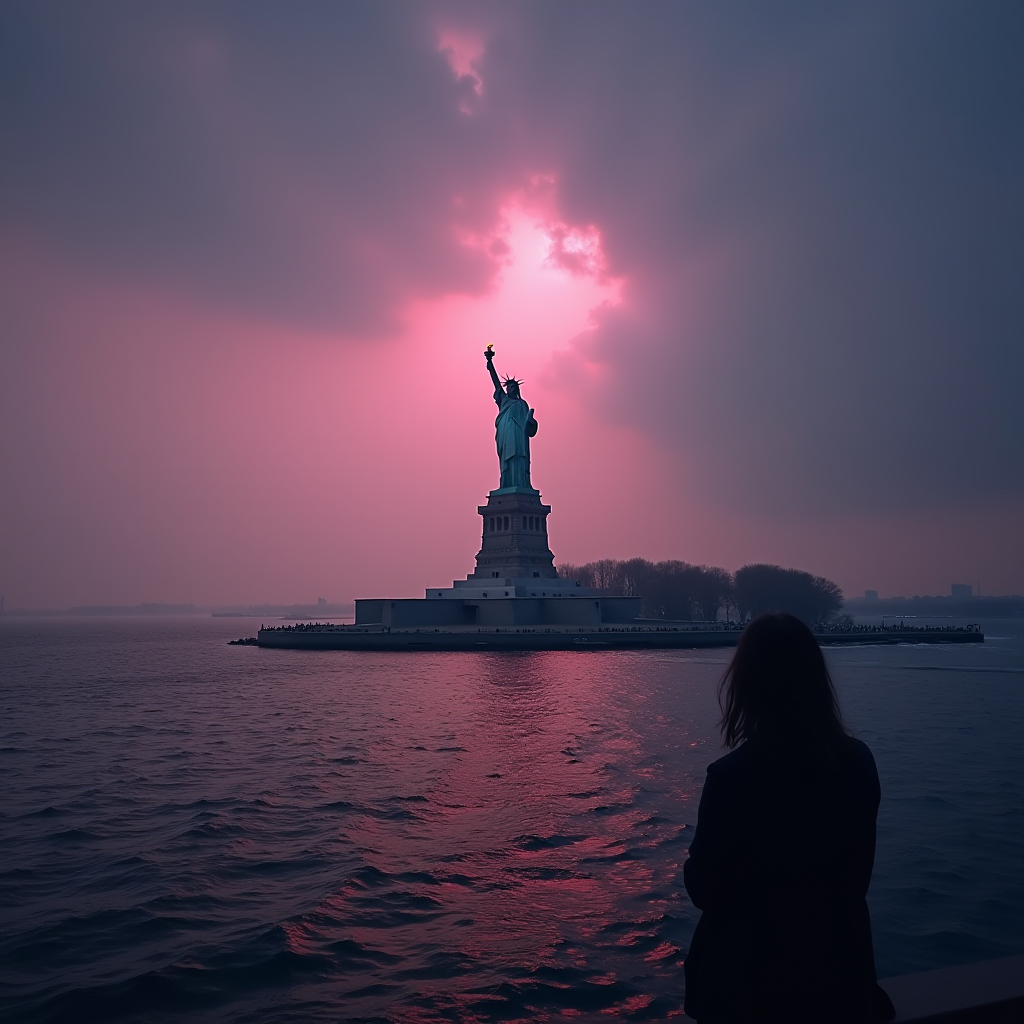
point(314, 839)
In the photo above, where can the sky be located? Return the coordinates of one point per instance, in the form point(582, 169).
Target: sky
point(760, 266)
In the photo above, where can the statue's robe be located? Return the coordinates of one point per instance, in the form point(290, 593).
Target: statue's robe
point(513, 429)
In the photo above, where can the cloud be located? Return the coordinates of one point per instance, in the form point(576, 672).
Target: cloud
point(316, 171)
point(811, 213)
point(814, 215)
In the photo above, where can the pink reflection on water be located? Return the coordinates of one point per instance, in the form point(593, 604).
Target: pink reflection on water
point(508, 829)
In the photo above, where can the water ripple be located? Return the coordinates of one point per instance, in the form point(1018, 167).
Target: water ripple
point(191, 831)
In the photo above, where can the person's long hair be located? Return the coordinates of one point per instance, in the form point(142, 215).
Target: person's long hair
point(777, 690)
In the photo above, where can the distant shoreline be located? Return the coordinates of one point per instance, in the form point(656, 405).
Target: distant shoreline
point(1005, 607)
point(153, 609)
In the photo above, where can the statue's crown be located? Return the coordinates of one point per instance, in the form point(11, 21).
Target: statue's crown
point(512, 380)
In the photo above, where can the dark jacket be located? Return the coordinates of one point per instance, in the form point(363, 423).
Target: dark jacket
point(780, 865)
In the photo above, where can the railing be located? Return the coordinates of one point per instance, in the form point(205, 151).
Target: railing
point(989, 992)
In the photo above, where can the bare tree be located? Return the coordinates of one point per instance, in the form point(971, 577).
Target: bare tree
point(634, 577)
point(678, 590)
point(714, 589)
point(770, 588)
point(604, 573)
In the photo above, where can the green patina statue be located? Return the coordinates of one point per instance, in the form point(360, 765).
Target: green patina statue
point(514, 427)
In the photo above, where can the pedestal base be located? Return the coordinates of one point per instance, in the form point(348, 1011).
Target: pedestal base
point(515, 537)
point(514, 586)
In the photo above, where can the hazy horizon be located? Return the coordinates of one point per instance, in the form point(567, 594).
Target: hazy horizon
point(347, 605)
point(759, 267)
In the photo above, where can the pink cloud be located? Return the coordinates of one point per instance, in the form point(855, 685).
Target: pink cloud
point(265, 255)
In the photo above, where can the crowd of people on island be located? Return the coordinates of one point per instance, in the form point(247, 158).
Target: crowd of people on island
point(835, 628)
point(844, 627)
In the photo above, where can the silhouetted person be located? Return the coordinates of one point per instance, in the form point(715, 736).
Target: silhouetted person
point(785, 843)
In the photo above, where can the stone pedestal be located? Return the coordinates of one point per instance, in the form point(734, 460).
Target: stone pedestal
point(515, 585)
point(515, 537)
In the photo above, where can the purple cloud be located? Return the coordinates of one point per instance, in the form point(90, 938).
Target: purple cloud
point(815, 210)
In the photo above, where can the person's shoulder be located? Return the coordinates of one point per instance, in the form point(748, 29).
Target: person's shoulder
point(858, 752)
point(735, 762)
point(860, 763)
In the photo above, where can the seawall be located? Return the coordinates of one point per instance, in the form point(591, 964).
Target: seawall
point(327, 636)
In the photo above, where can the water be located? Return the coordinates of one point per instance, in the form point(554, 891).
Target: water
point(212, 833)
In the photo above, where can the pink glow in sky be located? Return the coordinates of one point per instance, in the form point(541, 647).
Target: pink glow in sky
point(249, 268)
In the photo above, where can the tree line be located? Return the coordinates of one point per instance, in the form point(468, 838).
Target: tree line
point(678, 590)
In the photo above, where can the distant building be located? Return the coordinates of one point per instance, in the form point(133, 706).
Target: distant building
point(958, 591)
point(870, 595)
point(321, 601)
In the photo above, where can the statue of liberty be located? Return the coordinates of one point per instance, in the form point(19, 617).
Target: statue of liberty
point(513, 428)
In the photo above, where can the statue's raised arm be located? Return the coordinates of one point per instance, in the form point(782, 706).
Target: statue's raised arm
point(513, 429)
point(489, 356)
